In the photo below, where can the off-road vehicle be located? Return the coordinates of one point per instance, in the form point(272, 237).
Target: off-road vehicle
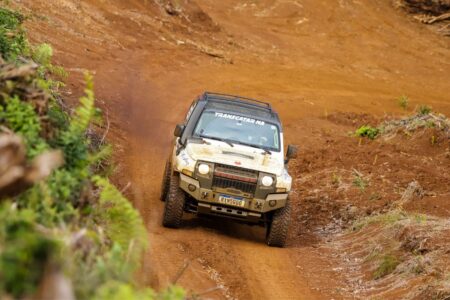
point(228, 161)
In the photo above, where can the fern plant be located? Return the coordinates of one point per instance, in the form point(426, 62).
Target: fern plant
point(123, 225)
point(73, 141)
point(66, 202)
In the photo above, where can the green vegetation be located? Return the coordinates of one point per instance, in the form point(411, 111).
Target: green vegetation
point(24, 251)
point(403, 101)
point(336, 179)
point(360, 182)
point(20, 117)
point(387, 265)
point(424, 110)
point(385, 219)
point(75, 220)
point(424, 118)
point(12, 37)
point(390, 218)
point(367, 131)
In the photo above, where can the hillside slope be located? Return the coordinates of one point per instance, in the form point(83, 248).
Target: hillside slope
point(327, 66)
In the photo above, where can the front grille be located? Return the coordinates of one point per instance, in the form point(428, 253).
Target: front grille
point(225, 183)
point(236, 178)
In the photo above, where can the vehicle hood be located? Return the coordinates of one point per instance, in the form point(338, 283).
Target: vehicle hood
point(238, 155)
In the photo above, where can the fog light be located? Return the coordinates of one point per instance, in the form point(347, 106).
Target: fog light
point(272, 203)
point(187, 172)
point(192, 187)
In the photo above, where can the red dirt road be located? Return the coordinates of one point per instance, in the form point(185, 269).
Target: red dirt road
point(309, 58)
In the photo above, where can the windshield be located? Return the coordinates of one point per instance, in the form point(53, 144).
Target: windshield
point(238, 129)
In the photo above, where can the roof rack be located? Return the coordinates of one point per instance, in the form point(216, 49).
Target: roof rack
point(254, 102)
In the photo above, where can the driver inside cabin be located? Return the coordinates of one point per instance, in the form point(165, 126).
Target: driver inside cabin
point(238, 129)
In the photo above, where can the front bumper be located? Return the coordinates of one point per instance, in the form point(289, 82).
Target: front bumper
point(209, 200)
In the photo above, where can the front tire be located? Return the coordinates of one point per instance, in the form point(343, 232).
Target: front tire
point(277, 229)
point(174, 206)
point(165, 181)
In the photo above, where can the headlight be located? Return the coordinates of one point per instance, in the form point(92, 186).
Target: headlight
point(203, 169)
point(267, 181)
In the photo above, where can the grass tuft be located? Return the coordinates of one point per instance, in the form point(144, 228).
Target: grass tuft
point(387, 265)
point(384, 219)
point(403, 101)
point(424, 110)
point(360, 182)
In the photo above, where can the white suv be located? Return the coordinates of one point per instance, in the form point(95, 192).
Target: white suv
point(228, 161)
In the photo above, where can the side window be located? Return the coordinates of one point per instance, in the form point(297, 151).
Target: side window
point(191, 109)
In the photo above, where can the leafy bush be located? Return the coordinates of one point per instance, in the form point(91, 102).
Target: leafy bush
point(367, 131)
point(12, 37)
point(72, 199)
point(114, 290)
point(20, 117)
point(26, 254)
point(50, 211)
point(119, 291)
point(43, 54)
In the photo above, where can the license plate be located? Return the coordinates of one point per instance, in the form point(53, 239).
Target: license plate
point(231, 200)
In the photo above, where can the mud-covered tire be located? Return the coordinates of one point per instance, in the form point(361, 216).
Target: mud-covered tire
point(165, 181)
point(174, 206)
point(277, 230)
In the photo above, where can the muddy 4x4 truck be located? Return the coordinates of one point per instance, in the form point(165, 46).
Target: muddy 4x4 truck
point(228, 161)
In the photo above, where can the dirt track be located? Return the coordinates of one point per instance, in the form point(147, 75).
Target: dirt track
point(309, 58)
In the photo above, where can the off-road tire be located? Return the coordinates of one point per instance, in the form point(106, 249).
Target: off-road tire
point(174, 206)
point(277, 230)
point(165, 181)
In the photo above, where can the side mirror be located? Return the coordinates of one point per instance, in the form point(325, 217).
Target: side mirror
point(178, 130)
point(291, 153)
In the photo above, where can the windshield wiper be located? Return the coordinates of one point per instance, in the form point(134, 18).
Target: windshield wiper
point(218, 139)
point(231, 143)
point(200, 140)
point(266, 151)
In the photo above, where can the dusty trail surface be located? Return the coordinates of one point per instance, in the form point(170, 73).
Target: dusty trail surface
point(310, 58)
